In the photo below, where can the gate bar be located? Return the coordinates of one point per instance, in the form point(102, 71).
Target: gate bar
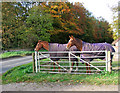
point(54, 62)
point(86, 62)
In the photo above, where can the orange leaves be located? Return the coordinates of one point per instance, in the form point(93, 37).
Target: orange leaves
point(76, 19)
point(56, 16)
point(54, 7)
point(63, 10)
point(57, 9)
point(53, 11)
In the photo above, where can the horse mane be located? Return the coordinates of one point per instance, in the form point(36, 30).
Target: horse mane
point(44, 42)
point(78, 43)
point(78, 40)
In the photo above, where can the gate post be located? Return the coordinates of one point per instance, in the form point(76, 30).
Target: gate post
point(106, 55)
point(33, 56)
point(36, 61)
point(109, 61)
point(69, 62)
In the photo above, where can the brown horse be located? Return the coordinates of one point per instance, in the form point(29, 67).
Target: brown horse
point(56, 47)
point(83, 46)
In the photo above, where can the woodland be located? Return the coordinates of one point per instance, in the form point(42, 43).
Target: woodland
point(24, 23)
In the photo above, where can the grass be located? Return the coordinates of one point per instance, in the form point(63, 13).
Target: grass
point(16, 53)
point(24, 73)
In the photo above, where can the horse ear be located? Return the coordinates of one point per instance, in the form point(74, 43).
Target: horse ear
point(39, 40)
point(70, 37)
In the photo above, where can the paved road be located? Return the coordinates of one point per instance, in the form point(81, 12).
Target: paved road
point(7, 64)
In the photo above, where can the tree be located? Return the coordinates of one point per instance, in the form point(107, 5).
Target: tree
point(115, 24)
point(12, 18)
point(67, 19)
point(24, 23)
point(38, 27)
point(102, 31)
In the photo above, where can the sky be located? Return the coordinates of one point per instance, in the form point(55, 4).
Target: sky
point(99, 7)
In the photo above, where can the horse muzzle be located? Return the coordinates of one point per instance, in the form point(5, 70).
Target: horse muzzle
point(36, 50)
point(67, 48)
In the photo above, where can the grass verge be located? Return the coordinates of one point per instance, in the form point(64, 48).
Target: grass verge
point(16, 53)
point(24, 73)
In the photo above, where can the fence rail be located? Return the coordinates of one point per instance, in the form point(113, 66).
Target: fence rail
point(46, 62)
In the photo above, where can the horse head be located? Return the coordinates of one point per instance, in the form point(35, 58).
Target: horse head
point(71, 42)
point(74, 41)
point(42, 44)
point(38, 46)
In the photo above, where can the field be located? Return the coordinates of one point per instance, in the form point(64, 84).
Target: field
point(24, 73)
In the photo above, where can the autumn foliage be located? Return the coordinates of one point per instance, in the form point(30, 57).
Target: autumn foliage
point(63, 19)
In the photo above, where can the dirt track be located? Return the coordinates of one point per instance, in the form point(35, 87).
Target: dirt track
point(57, 87)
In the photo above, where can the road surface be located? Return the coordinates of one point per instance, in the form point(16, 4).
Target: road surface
point(57, 87)
point(9, 63)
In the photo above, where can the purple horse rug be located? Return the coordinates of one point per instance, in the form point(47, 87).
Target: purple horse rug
point(95, 47)
point(60, 47)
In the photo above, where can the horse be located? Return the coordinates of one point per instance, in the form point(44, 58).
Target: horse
point(84, 46)
point(57, 47)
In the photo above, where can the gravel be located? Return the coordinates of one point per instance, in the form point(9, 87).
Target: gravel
point(56, 87)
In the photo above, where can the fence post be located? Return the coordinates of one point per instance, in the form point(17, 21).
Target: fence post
point(33, 56)
point(109, 61)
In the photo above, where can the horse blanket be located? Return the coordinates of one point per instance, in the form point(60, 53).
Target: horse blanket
point(95, 47)
point(60, 47)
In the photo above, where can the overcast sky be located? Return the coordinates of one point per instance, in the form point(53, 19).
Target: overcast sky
point(99, 7)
